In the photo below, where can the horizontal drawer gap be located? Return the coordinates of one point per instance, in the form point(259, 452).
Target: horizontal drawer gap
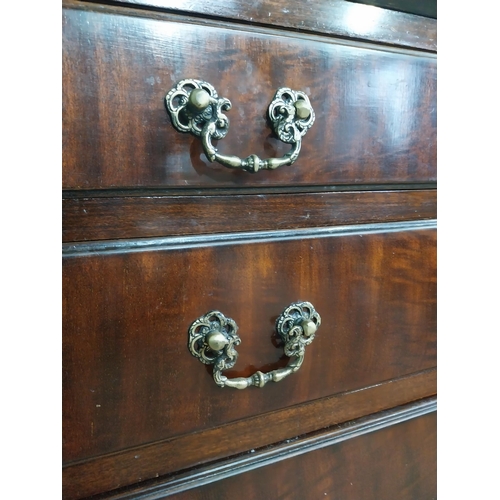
point(182, 242)
point(141, 192)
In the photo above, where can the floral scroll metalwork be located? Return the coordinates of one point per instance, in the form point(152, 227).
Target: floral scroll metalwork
point(213, 339)
point(194, 106)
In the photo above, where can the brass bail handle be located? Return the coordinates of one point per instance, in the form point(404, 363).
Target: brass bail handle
point(194, 106)
point(213, 337)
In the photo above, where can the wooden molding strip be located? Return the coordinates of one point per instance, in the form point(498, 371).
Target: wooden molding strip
point(85, 249)
point(140, 191)
point(107, 218)
point(117, 470)
point(282, 451)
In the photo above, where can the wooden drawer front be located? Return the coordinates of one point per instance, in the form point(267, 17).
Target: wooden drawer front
point(333, 17)
point(375, 108)
point(397, 462)
point(129, 378)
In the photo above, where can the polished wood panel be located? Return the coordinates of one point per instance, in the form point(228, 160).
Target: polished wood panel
point(129, 378)
point(261, 457)
point(375, 109)
point(361, 468)
point(143, 463)
point(150, 216)
point(156, 236)
point(332, 17)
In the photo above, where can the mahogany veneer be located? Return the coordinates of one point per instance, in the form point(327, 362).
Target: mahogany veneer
point(156, 236)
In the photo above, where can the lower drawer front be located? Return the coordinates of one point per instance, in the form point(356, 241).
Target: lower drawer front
point(130, 381)
point(397, 462)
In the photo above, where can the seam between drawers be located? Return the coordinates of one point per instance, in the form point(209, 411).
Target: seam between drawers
point(86, 249)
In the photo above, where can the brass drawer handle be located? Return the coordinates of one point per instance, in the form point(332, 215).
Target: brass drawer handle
point(213, 337)
point(195, 107)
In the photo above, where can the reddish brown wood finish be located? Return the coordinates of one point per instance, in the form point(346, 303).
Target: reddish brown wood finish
point(332, 17)
point(136, 405)
point(129, 378)
point(134, 465)
point(361, 468)
point(139, 217)
point(375, 109)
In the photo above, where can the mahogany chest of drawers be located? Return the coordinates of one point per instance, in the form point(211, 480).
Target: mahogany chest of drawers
point(156, 236)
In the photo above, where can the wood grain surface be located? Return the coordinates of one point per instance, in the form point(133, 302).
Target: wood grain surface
point(129, 378)
point(361, 468)
point(331, 17)
point(144, 464)
point(157, 236)
point(261, 457)
point(150, 216)
point(375, 109)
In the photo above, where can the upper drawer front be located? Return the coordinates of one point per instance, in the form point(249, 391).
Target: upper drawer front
point(332, 17)
point(375, 108)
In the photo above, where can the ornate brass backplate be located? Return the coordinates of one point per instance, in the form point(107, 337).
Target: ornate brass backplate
point(195, 107)
point(213, 339)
